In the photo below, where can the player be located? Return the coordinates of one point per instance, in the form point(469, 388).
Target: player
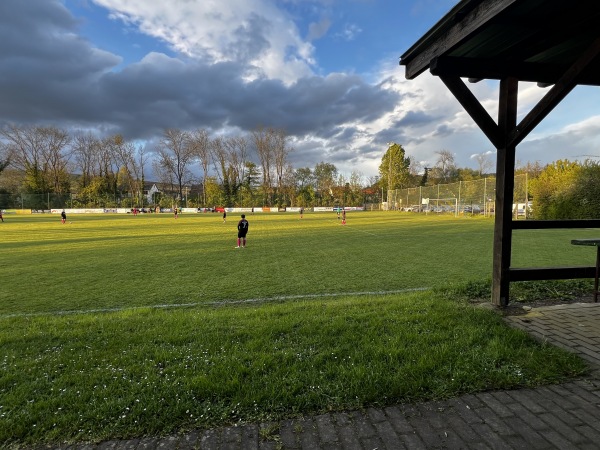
point(301, 212)
point(1, 218)
point(343, 217)
point(225, 216)
point(242, 230)
point(63, 216)
point(176, 212)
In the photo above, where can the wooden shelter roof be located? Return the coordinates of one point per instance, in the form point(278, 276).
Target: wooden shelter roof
point(530, 40)
point(552, 42)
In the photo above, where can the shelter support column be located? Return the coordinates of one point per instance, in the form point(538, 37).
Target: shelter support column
point(505, 171)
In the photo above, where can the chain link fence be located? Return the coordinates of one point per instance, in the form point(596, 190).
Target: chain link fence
point(463, 197)
point(48, 201)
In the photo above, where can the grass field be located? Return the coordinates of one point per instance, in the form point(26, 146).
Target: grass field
point(121, 326)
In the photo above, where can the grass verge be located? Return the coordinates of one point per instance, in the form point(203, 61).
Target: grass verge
point(87, 377)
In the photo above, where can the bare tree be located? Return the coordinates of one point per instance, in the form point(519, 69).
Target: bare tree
point(199, 144)
point(445, 165)
point(175, 157)
point(85, 155)
point(226, 159)
point(264, 149)
point(271, 148)
point(41, 153)
point(483, 162)
point(131, 161)
point(4, 156)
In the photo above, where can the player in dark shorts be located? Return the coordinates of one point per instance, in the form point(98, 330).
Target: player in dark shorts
point(63, 216)
point(224, 216)
point(242, 230)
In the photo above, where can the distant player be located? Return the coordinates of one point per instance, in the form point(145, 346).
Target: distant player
point(225, 216)
point(301, 212)
point(1, 218)
point(242, 231)
point(63, 216)
point(176, 212)
point(343, 217)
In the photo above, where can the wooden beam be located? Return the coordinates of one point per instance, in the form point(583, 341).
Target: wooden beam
point(498, 68)
point(552, 224)
point(474, 108)
point(555, 95)
point(551, 273)
point(505, 174)
point(419, 56)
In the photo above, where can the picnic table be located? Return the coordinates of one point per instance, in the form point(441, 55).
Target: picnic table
point(593, 243)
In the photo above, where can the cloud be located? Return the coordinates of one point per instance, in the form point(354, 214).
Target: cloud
point(349, 32)
point(254, 30)
point(60, 78)
point(239, 64)
point(317, 30)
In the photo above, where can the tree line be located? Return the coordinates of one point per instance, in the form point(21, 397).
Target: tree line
point(190, 168)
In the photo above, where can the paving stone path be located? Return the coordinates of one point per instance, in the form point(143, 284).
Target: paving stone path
point(565, 416)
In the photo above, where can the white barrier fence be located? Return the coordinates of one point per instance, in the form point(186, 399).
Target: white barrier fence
point(197, 210)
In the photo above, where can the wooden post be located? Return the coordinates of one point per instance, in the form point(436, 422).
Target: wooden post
point(505, 172)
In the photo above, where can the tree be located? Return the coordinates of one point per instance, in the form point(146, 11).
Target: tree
point(237, 154)
point(4, 156)
point(271, 148)
point(41, 153)
point(175, 157)
point(325, 175)
point(131, 161)
point(199, 143)
point(484, 164)
point(445, 166)
point(394, 168)
point(226, 171)
point(550, 190)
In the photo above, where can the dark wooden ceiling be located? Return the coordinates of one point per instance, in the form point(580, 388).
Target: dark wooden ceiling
point(530, 40)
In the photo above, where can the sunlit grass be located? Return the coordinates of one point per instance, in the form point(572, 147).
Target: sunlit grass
point(121, 326)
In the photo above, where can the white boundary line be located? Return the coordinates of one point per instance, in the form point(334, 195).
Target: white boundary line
point(282, 298)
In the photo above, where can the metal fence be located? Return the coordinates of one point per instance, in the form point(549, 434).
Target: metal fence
point(477, 196)
point(49, 201)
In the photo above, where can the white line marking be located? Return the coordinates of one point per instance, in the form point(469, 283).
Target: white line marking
point(219, 303)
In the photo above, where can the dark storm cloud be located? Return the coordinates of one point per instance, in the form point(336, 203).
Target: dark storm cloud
point(45, 67)
point(50, 75)
point(250, 39)
point(414, 119)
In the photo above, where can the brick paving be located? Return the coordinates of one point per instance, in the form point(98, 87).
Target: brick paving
point(565, 416)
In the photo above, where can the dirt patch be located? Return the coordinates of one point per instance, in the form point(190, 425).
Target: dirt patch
point(520, 308)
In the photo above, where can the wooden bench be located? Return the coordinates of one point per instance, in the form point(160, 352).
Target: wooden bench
point(593, 243)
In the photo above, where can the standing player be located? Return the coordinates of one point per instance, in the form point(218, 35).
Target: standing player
point(242, 231)
point(1, 218)
point(176, 212)
point(343, 217)
point(225, 216)
point(301, 212)
point(63, 216)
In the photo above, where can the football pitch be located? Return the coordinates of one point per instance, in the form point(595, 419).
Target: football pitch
point(118, 327)
point(98, 263)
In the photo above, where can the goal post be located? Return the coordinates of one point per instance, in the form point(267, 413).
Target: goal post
point(442, 205)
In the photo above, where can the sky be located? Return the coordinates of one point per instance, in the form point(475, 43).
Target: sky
point(324, 71)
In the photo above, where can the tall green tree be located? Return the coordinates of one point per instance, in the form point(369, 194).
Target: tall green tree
point(325, 175)
point(551, 190)
point(394, 170)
